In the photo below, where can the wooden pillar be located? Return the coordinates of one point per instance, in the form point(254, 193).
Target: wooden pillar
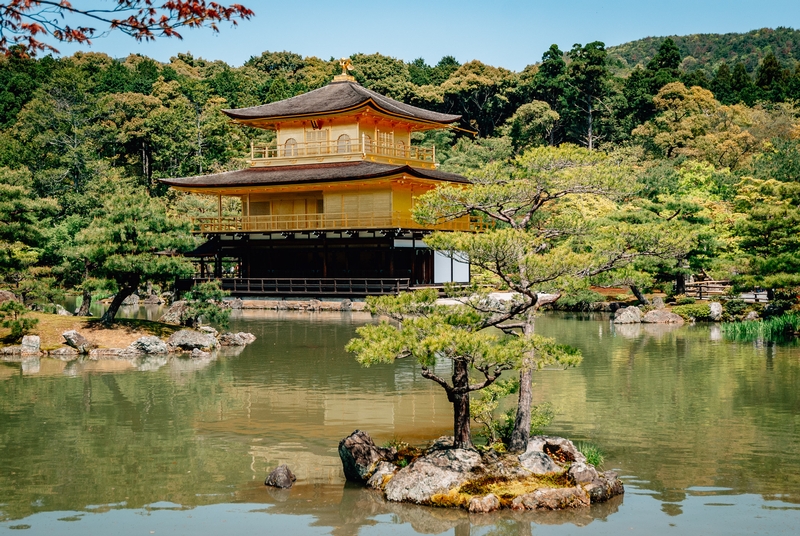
point(325, 255)
point(413, 259)
point(218, 257)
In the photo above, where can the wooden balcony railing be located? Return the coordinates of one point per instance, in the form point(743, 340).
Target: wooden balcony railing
point(334, 150)
point(328, 222)
point(269, 286)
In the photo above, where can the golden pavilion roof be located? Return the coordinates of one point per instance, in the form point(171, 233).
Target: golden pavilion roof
point(340, 96)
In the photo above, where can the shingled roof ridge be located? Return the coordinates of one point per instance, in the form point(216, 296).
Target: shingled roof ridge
point(358, 96)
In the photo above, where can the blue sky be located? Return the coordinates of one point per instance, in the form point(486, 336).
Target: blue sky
point(503, 33)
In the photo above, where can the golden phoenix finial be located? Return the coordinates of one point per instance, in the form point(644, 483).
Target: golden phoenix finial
point(347, 65)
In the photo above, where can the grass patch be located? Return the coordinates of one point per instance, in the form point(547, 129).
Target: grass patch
point(782, 328)
point(592, 452)
point(505, 489)
point(123, 332)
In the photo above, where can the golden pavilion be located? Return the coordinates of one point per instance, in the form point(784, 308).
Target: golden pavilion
point(326, 208)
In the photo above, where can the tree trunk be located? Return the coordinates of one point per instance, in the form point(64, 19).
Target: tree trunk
point(460, 399)
point(124, 291)
point(639, 296)
point(590, 133)
point(680, 284)
point(522, 424)
point(85, 304)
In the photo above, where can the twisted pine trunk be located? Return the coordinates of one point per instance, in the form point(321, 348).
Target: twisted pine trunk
point(459, 396)
point(639, 295)
point(124, 291)
point(522, 423)
point(85, 304)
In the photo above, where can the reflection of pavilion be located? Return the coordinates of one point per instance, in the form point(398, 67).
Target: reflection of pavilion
point(326, 209)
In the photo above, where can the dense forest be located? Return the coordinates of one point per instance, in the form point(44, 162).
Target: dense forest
point(709, 124)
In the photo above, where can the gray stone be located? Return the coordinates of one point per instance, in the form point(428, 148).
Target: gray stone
point(383, 472)
point(442, 443)
point(552, 499)
point(628, 315)
point(346, 305)
point(78, 341)
point(657, 302)
point(436, 472)
point(31, 345)
point(176, 313)
point(582, 473)
point(187, 339)
point(65, 353)
point(149, 345)
point(604, 487)
point(237, 304)
point(751, 316)
point(133, 299)
point(360, 456)
point(661, 316)
point(208, 329)
point(11, 353)
point(61, 311)
point(716, 311)
point(7, 295)
point(246, 337)
point(538, 463)
point(152, 299)
point(484, 505)
point(280, 477)
point(199, 354)
point(231, 339)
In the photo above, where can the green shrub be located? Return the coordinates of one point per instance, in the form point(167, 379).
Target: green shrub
point(205, 302)
point(12, 316)
point(683, 300)
point(698, 311)
point(735, 307)
point(580, 300)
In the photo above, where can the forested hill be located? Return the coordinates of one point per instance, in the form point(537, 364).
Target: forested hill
point(708, 51)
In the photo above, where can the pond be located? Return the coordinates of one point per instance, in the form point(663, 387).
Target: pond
point(704, 432)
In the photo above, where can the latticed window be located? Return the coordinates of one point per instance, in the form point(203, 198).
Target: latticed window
point(385, 142)
point(290, 147)
point(343, 144)
point(316, 141)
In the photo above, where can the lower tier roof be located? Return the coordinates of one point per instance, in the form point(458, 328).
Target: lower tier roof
point(332, 172)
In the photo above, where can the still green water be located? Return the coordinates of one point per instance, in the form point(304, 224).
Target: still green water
point(705, 432)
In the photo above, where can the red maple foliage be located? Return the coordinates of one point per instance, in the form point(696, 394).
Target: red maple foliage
point(23, 23)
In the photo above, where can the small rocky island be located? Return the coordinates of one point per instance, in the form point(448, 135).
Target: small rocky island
point(550, 475)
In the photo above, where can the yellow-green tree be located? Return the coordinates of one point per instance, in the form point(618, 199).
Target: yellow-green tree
point(540, 242)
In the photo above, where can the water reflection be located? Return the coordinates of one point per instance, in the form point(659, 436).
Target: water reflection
point(693, 421)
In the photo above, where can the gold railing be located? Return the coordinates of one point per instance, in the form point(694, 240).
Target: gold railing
point(328, 222)
point(263, 153)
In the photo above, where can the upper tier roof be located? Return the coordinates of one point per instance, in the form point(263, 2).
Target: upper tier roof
point(336, 97)
point(307, 174)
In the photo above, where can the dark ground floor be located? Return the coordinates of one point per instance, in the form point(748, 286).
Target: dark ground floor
point(327, 256)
